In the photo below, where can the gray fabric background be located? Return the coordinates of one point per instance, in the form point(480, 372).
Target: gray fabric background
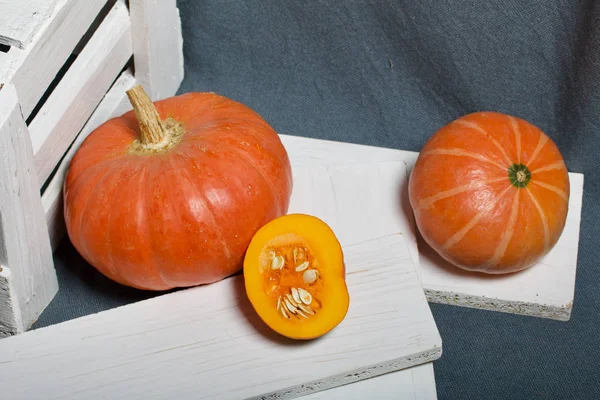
point(389, 73)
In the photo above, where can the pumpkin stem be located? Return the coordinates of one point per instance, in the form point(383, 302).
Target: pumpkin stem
point(152, 131)
point(519, 175)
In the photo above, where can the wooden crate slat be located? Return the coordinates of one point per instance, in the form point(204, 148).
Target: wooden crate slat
point(80, 90)
point(416, 383)
point(49, 50)
point(21, 20)
point(305, 150)
point(319, 193)
point(28, 280)
point(157, 45)
point(114, 103)
point(207, 343)
point(4, 59)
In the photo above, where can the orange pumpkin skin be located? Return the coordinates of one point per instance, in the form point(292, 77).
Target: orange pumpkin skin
point(183, 216)
point(490, 193)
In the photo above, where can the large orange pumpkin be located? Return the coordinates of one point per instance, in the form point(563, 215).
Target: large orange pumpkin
point(170, 194)
point(490, 193)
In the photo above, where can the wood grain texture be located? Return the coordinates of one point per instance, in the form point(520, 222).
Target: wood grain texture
point(80, 90)
point(10, 313)
point(113, 104)
point(307, 152)
point(157, 46)
point(416, 383)
point(351, 198)
point(208, 343)
point(21, 20)
point(28, 280)
point(4, 59)
point(49, 50)
point(545, 290)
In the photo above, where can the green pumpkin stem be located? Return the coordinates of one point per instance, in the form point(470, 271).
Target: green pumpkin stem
point(519, 175)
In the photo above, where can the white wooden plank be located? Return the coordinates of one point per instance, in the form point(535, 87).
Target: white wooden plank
point(416, 383)
point(157, 46)
point(21, 20)
point(4, 58)
point(11, 322)
point(55, 40)
point(308, 151)
point(27, 280)
point(81, 89)
point(350, 199)
point(114, 103)
point(208, 343)
point(545, 290)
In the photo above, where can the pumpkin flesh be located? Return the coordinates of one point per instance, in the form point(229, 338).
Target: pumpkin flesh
point(183, 213)
point(490, 193)
point(305, 244)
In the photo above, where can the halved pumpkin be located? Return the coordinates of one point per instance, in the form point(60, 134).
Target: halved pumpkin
point(294, 276)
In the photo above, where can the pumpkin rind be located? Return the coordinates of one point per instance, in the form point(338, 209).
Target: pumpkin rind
point(490, 193)
point(184, 215)
point(264, 286)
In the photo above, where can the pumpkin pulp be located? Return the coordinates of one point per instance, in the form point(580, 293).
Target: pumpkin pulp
point(294, 276)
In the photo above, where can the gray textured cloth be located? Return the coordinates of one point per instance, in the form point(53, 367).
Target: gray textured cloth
point(389, 73)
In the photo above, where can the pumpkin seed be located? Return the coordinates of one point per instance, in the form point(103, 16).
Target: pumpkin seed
point(295, 295)
point(291, 300)
point(306, 309)
point(302, 266)
point(310, 276)
point(277, 262)
point(301, 313)
point(278, 303)
point(284, 313)
point(289, 306)
point(305, 296)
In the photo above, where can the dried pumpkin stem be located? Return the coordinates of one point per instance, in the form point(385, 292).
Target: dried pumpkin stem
point(152, 131)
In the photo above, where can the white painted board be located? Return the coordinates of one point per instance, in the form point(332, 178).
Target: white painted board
point(305, 151)
point(27, 277)
point(48, 51)
point(157, 46)
point(4, 58)
point(416, 383)
point(114, 103)
point(20, 20)
point(207, 343)
point(546, 290)
point(80, 90)
point(359, 201)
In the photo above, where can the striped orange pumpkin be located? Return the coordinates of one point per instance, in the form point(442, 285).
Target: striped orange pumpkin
point(490, 193)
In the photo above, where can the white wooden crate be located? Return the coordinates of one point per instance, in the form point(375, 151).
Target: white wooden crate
point(64, 68)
